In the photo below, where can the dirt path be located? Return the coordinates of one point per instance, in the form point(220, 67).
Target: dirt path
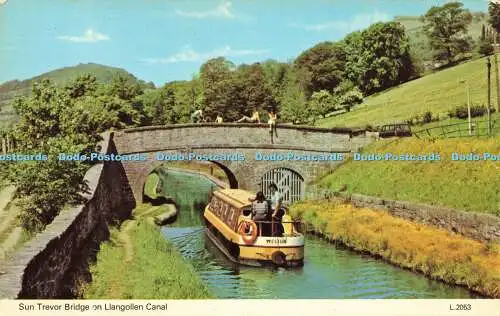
point(5, 197)
point(10, 243)
point(124, 237)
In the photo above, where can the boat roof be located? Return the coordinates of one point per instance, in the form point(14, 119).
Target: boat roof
point(236, 197)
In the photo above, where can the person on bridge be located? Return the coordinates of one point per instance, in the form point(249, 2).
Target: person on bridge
point(219, 119)
point(277, 209)
point(255, 118)
point(260, 212)
point(197, 116)
point(272, 122)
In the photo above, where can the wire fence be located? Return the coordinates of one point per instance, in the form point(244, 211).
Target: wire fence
point(457, 130)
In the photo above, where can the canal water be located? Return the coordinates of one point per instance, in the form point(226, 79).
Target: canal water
point(328, 272)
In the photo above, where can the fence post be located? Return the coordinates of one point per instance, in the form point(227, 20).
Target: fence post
point(4, 146)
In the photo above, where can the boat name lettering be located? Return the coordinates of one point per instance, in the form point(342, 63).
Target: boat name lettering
point(276, 241)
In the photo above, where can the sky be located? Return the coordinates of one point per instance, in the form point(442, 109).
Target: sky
point(166, 40)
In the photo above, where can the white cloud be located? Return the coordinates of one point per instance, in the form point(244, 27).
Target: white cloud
point(189, 55)
point(357, 22)
point(221, 11)
point(89, 37)
point(2, 2)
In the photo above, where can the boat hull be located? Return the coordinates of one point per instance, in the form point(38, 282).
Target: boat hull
point(257, 255)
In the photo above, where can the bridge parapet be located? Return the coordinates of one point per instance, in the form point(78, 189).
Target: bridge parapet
point(233, 135)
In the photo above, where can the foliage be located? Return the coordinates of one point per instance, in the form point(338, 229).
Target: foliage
point(294, 107)
point(485, 48)
point(447, 27)
point(323, 66)
point(322, 103)
point(437, 92)
point(173, 279)
point(435, 252)
point(378, 57)
point(350, 98)
point(462, 112)
point(494, 15)
point(63, 120)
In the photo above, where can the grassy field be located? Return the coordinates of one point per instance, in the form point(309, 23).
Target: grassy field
point(434, 252)
point(470, 186)
point(455, 127)
point(437, 93)
point(139, 263)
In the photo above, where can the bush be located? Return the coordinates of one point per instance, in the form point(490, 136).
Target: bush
point(485, 48)
point(461, 112)
point(427, 118)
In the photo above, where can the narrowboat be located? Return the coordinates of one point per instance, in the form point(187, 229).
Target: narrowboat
point(231, 229)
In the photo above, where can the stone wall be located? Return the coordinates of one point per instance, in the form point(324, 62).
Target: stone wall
point(478, 226)
point(53, 264)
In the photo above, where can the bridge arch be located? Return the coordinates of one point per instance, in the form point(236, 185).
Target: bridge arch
point(143, 174)
point(290, 183)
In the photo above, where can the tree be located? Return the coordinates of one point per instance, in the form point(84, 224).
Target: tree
point(54, 121)
point(322, 103)
point(447, 30)
point(218, 87)
point(494, 15)
point(378, 57)
point(485, 48)
point(254, 92)
point(351, 98)
point(483, 33)
point(324, 66)
point(294, 107)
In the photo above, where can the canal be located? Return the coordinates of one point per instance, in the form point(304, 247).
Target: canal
point(329, 272)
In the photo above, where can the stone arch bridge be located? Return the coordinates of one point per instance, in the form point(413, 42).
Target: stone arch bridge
point(243, 151)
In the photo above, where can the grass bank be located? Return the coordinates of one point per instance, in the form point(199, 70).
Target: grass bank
point(139, 263)
point(470, 186)
point(436, 93)
point(434, 252)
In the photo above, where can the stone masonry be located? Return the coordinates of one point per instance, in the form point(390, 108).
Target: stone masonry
point(247, 139)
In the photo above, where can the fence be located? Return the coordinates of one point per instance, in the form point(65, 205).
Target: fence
point(478, 129)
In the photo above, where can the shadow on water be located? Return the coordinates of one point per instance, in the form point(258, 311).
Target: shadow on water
point(328, 271)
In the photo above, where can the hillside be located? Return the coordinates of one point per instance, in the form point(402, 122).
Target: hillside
point(10, 89)
point(437, 93)
point(470, 186)
point(419, 42)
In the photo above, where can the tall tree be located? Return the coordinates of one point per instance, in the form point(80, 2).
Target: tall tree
point(323, 65)
point(494, 15)
point(378, 57)
point(218, 87)
point(254, 93)
point(483, 33)
point(447, 29)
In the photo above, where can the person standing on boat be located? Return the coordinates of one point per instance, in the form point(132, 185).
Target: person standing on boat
point(277, 209)
point(260, 209)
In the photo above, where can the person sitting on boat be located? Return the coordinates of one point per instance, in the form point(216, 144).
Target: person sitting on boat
point(277, 210)
point(260, 208)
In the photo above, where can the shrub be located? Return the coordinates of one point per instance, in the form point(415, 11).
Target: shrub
point(461, 112)
point(485, 48)
point(427, 118)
